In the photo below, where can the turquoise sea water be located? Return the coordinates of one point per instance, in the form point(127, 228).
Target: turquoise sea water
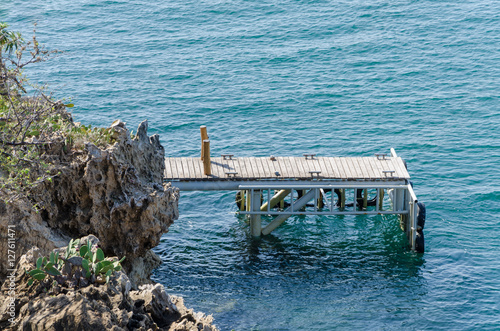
point(338, 78)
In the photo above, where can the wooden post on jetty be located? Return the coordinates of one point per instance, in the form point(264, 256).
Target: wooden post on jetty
point(206, 157)
point(204, 136)
point(205, 151)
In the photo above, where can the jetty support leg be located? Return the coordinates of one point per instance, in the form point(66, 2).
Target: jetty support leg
point(380, 198)
point(255, 220)
point(296, 206)
point(242, 200)
point(275, 199)
point(342, 198)
point(248, 199)
point(365, 198)
point(412, 225)
point(321, 199)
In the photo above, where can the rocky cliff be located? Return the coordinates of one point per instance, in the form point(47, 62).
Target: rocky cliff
point(113, 306)
point(115, 193)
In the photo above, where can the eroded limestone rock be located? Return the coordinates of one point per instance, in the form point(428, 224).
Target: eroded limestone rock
point(116, 193)
point(112, 306)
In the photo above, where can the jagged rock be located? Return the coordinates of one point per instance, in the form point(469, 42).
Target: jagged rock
point(116, 193)
point(96, 307)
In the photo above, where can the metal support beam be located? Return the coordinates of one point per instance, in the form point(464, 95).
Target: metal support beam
point(412, 238)
point(255, 219)
point(275, 199)
point(289, 211)
point(235, 184)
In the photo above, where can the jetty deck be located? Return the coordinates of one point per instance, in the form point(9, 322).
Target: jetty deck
point(304, 185)
point(379, 168)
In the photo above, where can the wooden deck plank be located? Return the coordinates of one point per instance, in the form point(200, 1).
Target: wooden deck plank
point(377, 167)
point(406, 174)
point(235, 165)
point(276, 166)
point(328, 166)
point(253, 166)
point(368, 165)
point(299, 168)
point(192, 168)
point(272, 168)
point(332, 167)
point(380, 167)
point(360, 172)
point(363, 169)
point(178, 166)
point(352, 171)
point(260, 165)
point(290, 167)
point(387, 165)
point(168, 169)
point(399, 163)
point(185, 170)
point(340, 168)
point(285, 171)
point(260, 168)
point(196, 165)
point(395, 166)
point(284, 167)
point(216, 167)
point(347, 168)
point(226, 167)
point(240, 165)
point(265, 168)
point(303, 167)
point(308, 165)
point(325, 172)
point(250, 168)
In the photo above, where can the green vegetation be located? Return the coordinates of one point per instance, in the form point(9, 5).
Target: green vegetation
point(33, 126)
point(79, 267)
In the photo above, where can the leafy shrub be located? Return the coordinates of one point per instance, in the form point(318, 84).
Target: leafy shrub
point(80, 266)
point(33, 126)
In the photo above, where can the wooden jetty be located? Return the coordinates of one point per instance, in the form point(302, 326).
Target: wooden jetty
point(306, 185)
